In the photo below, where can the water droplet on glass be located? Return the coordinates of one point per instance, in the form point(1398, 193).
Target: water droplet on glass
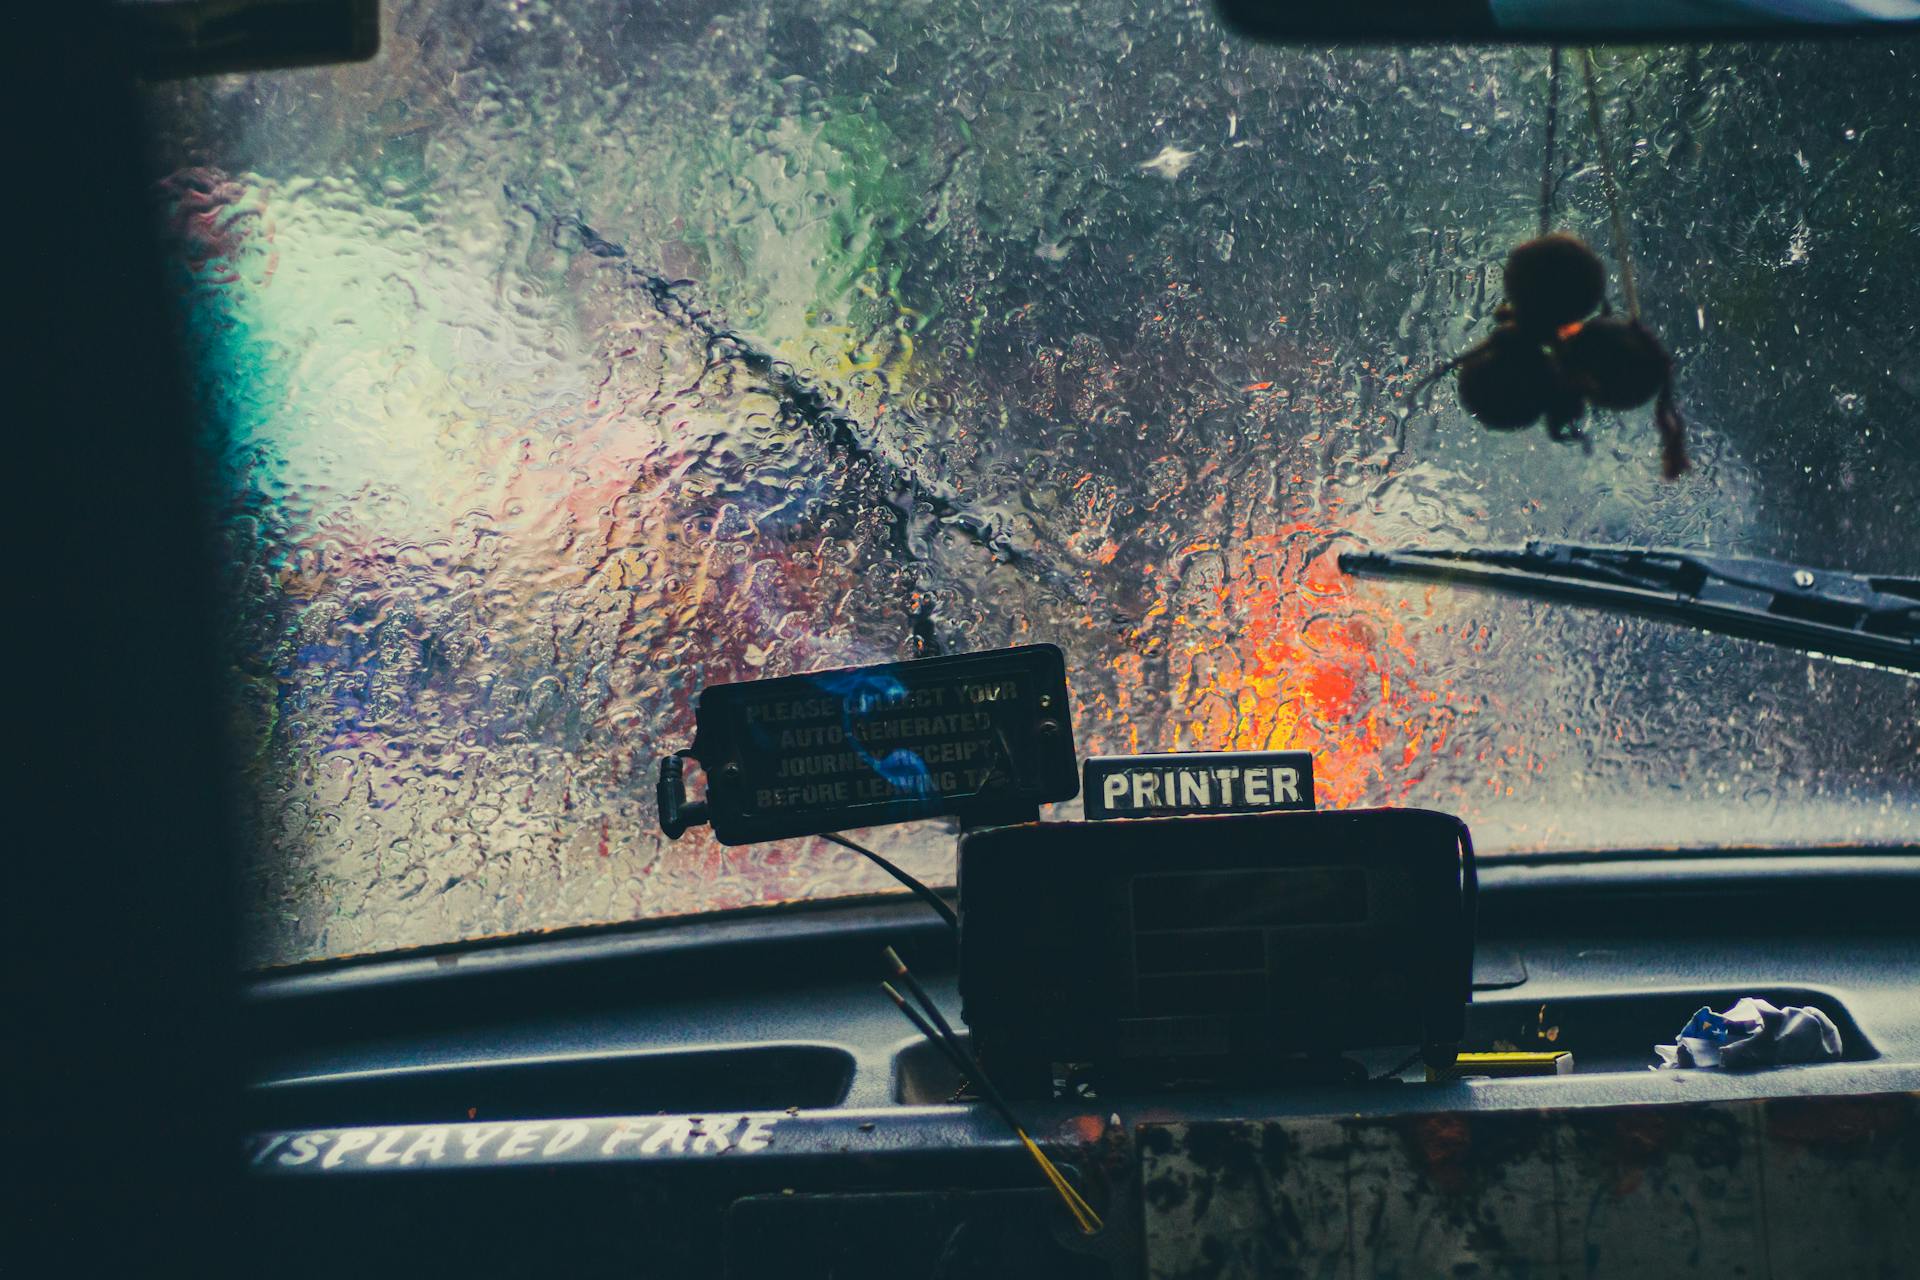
point(558, 365)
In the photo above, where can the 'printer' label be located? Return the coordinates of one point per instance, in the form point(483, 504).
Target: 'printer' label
point(1197, 782)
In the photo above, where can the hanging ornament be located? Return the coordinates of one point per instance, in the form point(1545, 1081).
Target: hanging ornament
point(1549, 355)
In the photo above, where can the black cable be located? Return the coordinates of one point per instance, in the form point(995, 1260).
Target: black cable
point(920, 891)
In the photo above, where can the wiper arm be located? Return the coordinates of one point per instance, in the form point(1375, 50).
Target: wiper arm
point(1863, 617)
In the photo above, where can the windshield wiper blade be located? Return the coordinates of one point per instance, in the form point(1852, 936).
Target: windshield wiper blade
point(1863, 617)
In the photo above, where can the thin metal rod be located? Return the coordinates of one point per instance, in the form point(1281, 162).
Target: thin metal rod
point(934, 1026)
point(947, 1050)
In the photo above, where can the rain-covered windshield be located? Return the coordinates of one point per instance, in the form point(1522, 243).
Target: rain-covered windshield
point(573, 356)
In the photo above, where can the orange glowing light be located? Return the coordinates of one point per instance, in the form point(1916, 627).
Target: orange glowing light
point(1310, 666)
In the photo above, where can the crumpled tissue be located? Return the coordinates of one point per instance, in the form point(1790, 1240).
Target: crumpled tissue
point(1753, 1034)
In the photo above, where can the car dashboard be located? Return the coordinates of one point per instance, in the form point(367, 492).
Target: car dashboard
point(733, 1096)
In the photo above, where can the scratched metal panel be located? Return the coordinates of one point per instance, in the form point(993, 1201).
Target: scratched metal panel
point(1651, 1190)
point(1843, 1169)
point(1800, 1187)
point(1437, 1194)
point(1268, 1199)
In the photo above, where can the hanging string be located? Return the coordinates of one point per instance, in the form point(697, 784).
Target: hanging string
point(1547, 183)
point(1666, 410)
point(1622, 249)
